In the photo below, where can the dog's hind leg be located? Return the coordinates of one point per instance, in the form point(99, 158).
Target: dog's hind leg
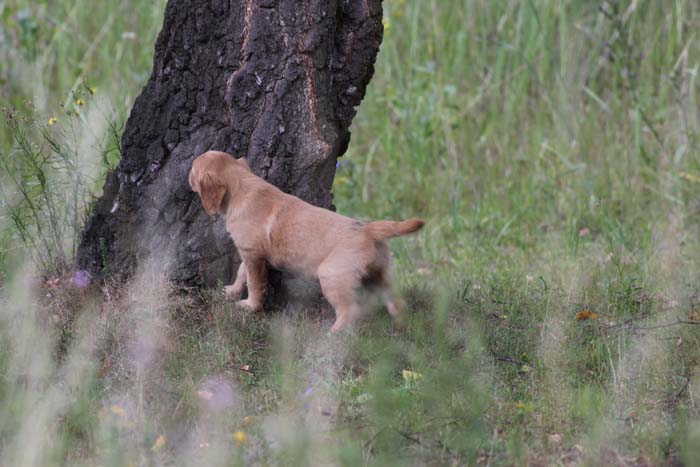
point(378, 279)
point(236, 289)
point(380, 283)
point(338, 285)
point(342, 297)
point(394, 305)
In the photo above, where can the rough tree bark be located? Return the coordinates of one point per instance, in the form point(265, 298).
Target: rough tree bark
point(275, 81)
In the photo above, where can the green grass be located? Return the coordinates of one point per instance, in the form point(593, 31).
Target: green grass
point(552, 148)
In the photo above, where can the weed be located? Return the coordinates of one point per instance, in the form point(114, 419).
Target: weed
point(552, 149)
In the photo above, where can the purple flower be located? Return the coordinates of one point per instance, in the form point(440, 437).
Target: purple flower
point(308, 392)
point(81, 279)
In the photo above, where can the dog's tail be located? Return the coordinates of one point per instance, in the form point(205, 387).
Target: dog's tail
point(380, 230)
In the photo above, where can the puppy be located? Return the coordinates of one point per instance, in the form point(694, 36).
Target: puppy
point(270, 227)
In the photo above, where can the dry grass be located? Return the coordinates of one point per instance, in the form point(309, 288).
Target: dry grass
point(553, 149)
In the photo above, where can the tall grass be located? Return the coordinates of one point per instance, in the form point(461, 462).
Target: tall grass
point(552, 147)
point(69, 72)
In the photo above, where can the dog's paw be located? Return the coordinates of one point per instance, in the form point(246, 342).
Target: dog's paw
point(401, 322)
point(340, 326)
point(231, 291)
point(248, 305)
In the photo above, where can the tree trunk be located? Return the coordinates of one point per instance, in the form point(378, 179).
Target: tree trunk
point(275, 81)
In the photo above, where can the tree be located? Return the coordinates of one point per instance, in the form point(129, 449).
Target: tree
point(275, 81)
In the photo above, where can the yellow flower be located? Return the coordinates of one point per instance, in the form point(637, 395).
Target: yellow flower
point(386, 24)
point(53, 120)
point(160, 442)
point(411, 376)
point(524, 407)
point(80, 102)
point(339, 181)
point(692, 178)
point(92, 90)
point(117, 410)
point(239, 436)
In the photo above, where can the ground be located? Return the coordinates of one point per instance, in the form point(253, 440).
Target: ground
point(552, 149)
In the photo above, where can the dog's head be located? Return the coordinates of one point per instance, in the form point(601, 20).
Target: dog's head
point(211, 176)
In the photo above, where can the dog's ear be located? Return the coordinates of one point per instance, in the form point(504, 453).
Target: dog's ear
point(212, 190)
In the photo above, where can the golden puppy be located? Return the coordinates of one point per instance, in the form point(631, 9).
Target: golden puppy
point(272, 227)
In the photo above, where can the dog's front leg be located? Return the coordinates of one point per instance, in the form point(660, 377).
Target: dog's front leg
point(257, 283)
point(236, 289)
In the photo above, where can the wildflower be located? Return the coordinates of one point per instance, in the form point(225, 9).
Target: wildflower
point(586, 314)
point(692, 178)
point(411, 376)
point(340, 181)
point(524, 407)
point(386, 24)
point(160, 442)
point(117, 410)
point(239, 436)
point(81, 279)
point(80, 102)
point(92, 89)
point(584, 232)
point(53, 121)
